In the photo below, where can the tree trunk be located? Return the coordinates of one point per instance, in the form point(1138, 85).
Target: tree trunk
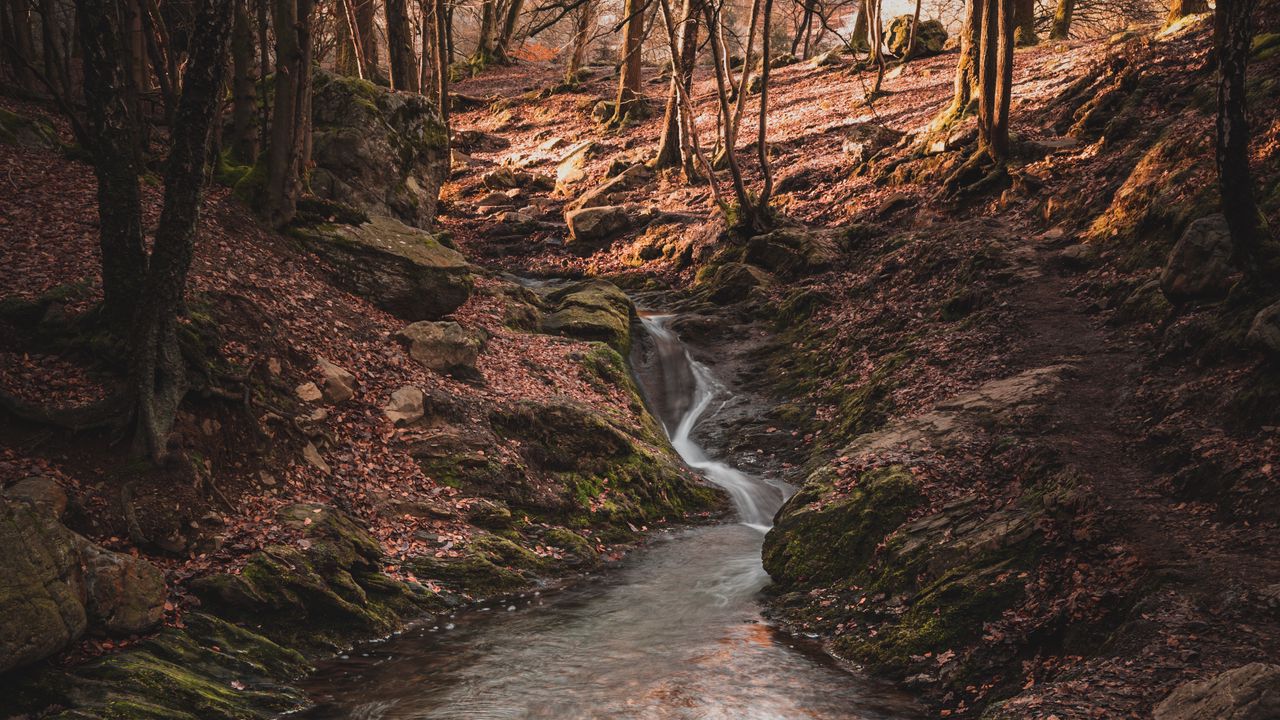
point(911, 38)
point(502, 48)
point(1024, 22)
point(404, 70)
point(484, 43)
point(159, 372)
point(18, 43)
point(289, 126)
point(1233, 32)
point(1179, 9)
point(349, 55)
point(860, 24)
point(442, 30)
point(244, 95)
point(581, 38)
point(674, 148)
point(995, 78)
point(762, 144)
point(629, 78)
point(802, 30)
point(1061, 27)
point(746, 214)
point(113, 130)
point(367, 31)
point(966, 81)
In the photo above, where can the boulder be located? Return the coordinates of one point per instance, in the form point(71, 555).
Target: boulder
point(339, 385)
point(591, 310)
point(42, 493)
point(401, 269)
point(124, 595)
point(832, 57)
point(26, 132)
point(1265, 330)
point(792, 251)
point(631, 178)
point(406, 406)
point(383, 152)
point(732, 282)
point(862, 141)
point(594, 227)
point(572, 168)
point(444, 347)
point(308, 392)
point(1249, 692)
point(931, 37)
point(1199, 265)
point(507, 178)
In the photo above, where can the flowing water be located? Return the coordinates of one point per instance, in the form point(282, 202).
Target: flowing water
point(673, 633)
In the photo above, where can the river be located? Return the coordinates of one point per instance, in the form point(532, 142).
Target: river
point(674, 632)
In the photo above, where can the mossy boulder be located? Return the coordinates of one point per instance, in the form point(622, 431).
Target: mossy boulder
point(317, 595)
point(732, 282)
point(591, 310)
point(383, 152)
point(488, 565)
point(931, 37)
point(401, 269)
point(26, 132)
point(791, 251)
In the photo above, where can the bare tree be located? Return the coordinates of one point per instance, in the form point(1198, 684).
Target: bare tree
point(1060, 29)
point(400, 56)
point(629, 98)
point(1233, 34)
point(291, 122)
point(582, 26)
point(995, 79)
point(674, 148)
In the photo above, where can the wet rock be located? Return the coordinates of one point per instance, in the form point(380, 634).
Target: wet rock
point(401, 269)
point(1265, 329)
point(406, 406)
point(339, 384)
point(572, 168)
point(488, 514)
point(125, 595)
point(42, 493)
point(591, 310)
point(444, 347)
point(931, 37)
point(1199, 265)
point(593, 227)
point(382, 152)
point(1250, 692)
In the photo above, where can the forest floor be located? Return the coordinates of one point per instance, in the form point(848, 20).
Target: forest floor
point(1041, 272)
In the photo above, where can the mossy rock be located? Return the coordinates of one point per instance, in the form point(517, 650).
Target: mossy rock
point(489, 565)
point(591, 310)
point(26, 132)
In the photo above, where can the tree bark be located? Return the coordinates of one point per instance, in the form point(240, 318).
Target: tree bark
point(1024, 22)
point(484, 42)
point(629, 78)
point(581, 38)
point(400, 56)
point(911, 38)
point(1179, 9)
point(349, 54)
point(502, 48)
point(441, 27)
point(995, 73)
point(159, 371)
point(965, 88)
point(802, 30)
point(116, 152)
point(860, 24)
point(746, 213)
point(290, 121)
point(674, 149)
point(762, 144)
point(244, 95)
point(367, 31)
point(1233, 31)
point(1061, 27)
point(18, 42)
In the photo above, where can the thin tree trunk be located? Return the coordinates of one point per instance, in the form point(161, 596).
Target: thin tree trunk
point(367, 31)
point(860, 23)
point(965, 89)
point(159, 371)
point(1179, 9)
point(19, 46)
point(762, 144)
point(1061, 27)
point(746, 209)
point(802, 30)
point(484, 42)
point(442, 30)
point(731, 129)
point(629, 78)
point(289, 123)
point(581, 38)
point(1234, 35)
point(244, 95)
point(113, 130)
point(911, 39)
point(404, 71)
point(995, 72)
point(349, 53)
point(674, 146)
point(264, 69)
point(1024, 22)
point(502, 48)
point(686, 106)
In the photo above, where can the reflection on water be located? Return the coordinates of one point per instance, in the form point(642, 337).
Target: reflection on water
point(674, 633)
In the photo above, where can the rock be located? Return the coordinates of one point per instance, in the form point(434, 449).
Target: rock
point(488, 514)
point(338, 383)
point(1249, 692)
point(42, 493)
point(308, 392)
point(591, 310)
point(832, 57)
point(27, 132)
point(931, 37)
point(506, 178)
point(572, 168)
point(42, 590)
point(1199, 265)
point(444, 347)
point(494, 199)
point(862, 141)
point(382, 152)
point(125, 595)
point(311, 454)
point(1265, 329)
point(631, 178)
point(406, 406)
point(594, 227)
point(401, 269)
point(792, 251)
point(732, 282)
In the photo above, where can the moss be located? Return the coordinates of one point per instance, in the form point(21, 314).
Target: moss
point(1265, 45)
point(228, 172)
point(489, 565)
point(18, 130)
point(251, 188)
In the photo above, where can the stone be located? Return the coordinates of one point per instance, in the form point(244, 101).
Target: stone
point(406, 406)
point(124, 595)
point(311, 454)
point(510, 178)
point(382, 152)
point(931, 37)
point(832, 57)
point(444, 347)
point(403, 270)
point(635, 176)
point(594, 227)
point(1265, 329)
point(791, 251)
point(27, 132)
point(572, 168)
point(862, 141)
point(733, 282)
point(591, 310)
point(308, 392)
point(42, 493)
point(339, 384)
point(42, 589)
point(1199, 265)
point(1249, 692)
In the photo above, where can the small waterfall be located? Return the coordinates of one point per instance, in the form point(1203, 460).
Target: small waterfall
point(688, 391)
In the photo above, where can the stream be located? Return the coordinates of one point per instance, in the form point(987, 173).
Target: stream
point(673, 632)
